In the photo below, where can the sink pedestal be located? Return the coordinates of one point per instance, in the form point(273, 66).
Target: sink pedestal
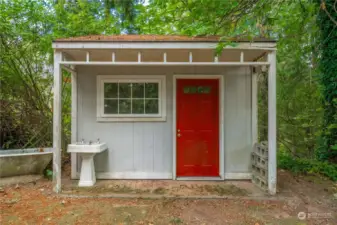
point(88, 176)
point(87, 153)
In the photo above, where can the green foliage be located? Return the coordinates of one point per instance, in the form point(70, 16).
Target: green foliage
point(27, 29)
point(298, 96)
point(292, 24)
point(83, 17)
point(306, 94)
point(307, 166)
point(176, 220)
point(205, 17)
point(48, 174)
point(25, 78)
point(328, 78)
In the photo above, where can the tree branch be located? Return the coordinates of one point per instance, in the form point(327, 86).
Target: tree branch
point(323, 6)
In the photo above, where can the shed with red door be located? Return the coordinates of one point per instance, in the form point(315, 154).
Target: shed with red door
point(168, 107)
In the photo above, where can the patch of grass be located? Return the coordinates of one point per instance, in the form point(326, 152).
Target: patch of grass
point(128, 214)
point(222, 189)
point(176, 220)
point(307, 166)
point(119, 189)
point(159, 191)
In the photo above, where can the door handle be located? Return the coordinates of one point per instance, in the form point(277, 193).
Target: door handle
point(179, 135)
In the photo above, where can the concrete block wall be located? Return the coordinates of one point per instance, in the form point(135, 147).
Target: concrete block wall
point(260, 165)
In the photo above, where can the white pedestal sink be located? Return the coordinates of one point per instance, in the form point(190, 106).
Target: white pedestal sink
point(87, 152)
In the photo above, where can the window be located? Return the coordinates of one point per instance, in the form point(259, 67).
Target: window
point(131, 98)
point(197, 90)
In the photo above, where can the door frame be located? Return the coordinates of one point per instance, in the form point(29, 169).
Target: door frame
point(221, 125)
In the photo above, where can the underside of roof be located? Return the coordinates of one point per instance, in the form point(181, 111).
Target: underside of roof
point(156, 38)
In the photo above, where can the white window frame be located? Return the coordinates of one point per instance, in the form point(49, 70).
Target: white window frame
point(160, 79)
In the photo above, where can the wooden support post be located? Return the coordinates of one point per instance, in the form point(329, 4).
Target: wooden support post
point(165, 57)
point(254, 108)
point(73, 123)
point(139, 57)
point(57, 110)
point(272, 144)
point(113, 57)
point(88, 57)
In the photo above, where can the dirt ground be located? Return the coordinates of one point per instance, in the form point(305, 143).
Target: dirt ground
point(233, 203)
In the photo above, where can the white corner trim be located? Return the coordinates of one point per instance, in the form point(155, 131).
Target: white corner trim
point(238, 176)
point(221, 120)
point(254, 108)
point(272, 137)
point(160, 79)
point(133, 175)
point(73, 122)
point(57, 122)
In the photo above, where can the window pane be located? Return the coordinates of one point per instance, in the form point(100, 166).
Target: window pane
point(204, 89)
point(110, 90)
point(151, 106)
point(190, 89)
point(137, 90)
point(124, 106)
point(207, 90)
point(110, 106)
point(151, 90)
point(124, 90)
point(137, 106)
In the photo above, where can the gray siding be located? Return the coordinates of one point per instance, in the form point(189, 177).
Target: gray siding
point(146, 147)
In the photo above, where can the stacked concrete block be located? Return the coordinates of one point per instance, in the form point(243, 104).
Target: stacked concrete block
point(260, 165)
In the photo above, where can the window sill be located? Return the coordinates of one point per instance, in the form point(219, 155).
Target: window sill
point(131, 119)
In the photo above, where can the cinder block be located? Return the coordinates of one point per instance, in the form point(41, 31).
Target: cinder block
point(259, 161)
point(262, 173)
point(260, 182)
point(261, 149)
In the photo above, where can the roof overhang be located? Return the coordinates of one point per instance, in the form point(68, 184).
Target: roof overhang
point(188, 51)
point(160, 45)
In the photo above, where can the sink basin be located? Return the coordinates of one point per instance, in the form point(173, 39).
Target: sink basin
point(87, 148)
point(87, 153)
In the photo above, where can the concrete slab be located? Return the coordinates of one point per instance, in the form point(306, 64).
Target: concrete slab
point(165, 188)
point(6, 181)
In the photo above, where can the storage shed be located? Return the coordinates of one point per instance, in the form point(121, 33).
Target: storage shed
point(168, 107)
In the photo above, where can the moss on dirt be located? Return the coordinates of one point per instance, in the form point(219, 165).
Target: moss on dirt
point(225, 189)
point(107, 189)
point(176, 220)
point(159, 191)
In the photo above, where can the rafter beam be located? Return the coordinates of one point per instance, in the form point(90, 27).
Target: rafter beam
point(167, 63)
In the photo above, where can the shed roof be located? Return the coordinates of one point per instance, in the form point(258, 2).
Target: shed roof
point(155, 38)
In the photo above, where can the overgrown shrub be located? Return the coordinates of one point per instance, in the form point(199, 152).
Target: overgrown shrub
point(307, 166)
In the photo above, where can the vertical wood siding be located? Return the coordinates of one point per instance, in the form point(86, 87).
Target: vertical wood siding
point(144, 149)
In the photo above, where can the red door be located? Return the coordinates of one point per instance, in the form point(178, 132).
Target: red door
point(197, 127)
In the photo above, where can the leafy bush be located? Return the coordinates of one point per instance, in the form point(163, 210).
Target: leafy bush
point(307, 166)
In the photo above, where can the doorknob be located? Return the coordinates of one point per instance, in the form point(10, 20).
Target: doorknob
point(178, 130)
point(179, 135)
